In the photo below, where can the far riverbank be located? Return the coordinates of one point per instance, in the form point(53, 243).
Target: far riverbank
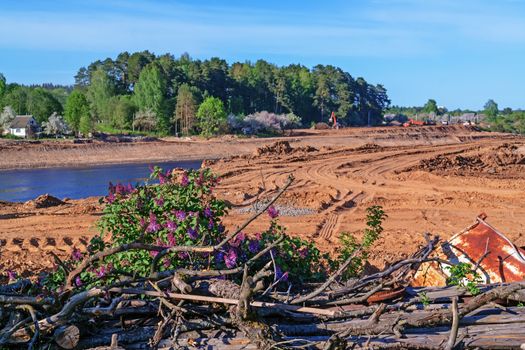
point(64, 153)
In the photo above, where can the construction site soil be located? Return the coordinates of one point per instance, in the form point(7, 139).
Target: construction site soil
point(428, 179)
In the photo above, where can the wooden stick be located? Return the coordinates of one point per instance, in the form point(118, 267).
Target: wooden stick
point(208, 299)
point(329, 280)
point(455, 325)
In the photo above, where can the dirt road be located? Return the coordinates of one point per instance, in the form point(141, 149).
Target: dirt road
point(427, 179)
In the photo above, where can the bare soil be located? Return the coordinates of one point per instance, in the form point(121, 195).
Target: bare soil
point(428, 179)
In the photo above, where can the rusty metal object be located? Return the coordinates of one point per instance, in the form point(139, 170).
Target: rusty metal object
point(384, 295)
point(497, 259)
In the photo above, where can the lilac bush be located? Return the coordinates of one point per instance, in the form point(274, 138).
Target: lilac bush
point(181, 209)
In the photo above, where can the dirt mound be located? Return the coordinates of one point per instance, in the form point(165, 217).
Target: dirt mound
point(321, 126)
point(504, 155)
point(442, 163)
point(369, 147)
point(490, 161)
point(44, 201)
point(282, 148)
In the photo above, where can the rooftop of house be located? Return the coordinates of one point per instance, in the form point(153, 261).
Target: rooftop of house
point(21, 121)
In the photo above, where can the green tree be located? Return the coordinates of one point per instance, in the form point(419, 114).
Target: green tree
point(41, 104)
point(211, 116)
point(430, 107)
point(185, 109)
point(16, 97)
point(3, 87)
point(86, 124)
point(122, 110)
point(136, 62)
point(77, 106)
point(98, 94)
point(491, 109)
point(150, 93)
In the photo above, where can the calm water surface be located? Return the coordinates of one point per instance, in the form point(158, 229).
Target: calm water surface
point(75, 183)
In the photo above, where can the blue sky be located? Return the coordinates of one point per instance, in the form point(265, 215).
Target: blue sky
point(460, 53)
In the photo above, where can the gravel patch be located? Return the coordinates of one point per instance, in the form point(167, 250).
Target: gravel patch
point(284, 210)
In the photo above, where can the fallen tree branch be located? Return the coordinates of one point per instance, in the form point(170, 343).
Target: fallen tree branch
point(455, 325)
point(208, 299)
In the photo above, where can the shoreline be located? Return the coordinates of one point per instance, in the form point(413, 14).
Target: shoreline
point(64, 154)
point(103, 163)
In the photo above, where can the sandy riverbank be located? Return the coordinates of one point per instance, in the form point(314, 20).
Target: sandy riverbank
point(65, 153)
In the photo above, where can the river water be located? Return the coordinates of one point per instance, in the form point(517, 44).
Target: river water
point(76, 182)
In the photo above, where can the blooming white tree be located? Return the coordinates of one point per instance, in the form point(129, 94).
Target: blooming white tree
point(6, 117)
point(264, 122)
point(56, 125)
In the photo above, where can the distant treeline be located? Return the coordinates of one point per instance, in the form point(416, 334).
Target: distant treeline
point(496, 119)
point(164, 94)
point(159, 86)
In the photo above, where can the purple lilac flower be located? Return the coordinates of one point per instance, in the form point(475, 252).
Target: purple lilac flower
point(78, 281)
point(159, 201)
point(101, 272)
point(208, 213)
point(237, 240)
point(219, 257)
point(153, 226)
point(253, 246)
point(180, 215)
point(210, 225)
point(183, 255)
point(273, 212)
point(166, 262)
point(171, 240)
point(200, 180)
point(230, 259)
point(220, 228)
point(280, 275)
point(185, 181)
point(303, 252)
point(162, 178)
point(192, 233)
point(76, 255)
point(171, 226)
point(120, 189)
point(11, 275)
point(110, 198)
point(111, 187)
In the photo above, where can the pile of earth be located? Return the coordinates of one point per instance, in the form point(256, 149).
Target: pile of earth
point(369, 147)
point(505, 155)
point(44, 201)
point(498, 158)
point(321, 126)
point(282, 148)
